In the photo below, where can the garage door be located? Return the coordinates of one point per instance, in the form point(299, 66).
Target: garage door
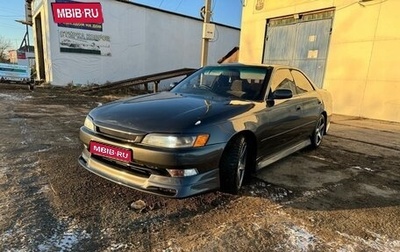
point(301, 41)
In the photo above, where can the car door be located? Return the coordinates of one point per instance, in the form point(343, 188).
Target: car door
point(280, 118)
point(309, 101)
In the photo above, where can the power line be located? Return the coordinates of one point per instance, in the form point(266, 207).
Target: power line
point(12, 11)
point(162, 1)
point(12, 16)
point(361, 3)
point(214, 3)
point(10, 26)
point(178, 5)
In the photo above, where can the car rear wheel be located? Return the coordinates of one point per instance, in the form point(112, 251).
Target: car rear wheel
point(233, 165)
point(319, 131)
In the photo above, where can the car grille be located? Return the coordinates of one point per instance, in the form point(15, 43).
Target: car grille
point(136, 168)
point(120, 135)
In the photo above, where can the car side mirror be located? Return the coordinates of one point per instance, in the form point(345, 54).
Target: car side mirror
point(282, 94)
point(277, 95)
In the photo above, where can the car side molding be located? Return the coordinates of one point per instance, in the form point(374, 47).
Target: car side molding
point(281, 154)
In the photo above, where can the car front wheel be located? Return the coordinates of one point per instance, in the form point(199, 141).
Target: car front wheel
point(233, 165)
point(319, 131)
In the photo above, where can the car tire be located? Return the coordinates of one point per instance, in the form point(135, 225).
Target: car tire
point(319, 132)
point(233, 165)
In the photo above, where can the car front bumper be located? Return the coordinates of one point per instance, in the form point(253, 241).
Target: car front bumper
point(205, 160)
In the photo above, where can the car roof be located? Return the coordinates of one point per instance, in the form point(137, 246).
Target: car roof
point(275, 66)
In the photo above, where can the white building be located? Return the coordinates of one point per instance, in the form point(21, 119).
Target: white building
point(133, 40)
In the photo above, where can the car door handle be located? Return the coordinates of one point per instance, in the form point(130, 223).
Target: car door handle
point(298, 108)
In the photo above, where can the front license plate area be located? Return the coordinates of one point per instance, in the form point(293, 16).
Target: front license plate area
point(110, 151)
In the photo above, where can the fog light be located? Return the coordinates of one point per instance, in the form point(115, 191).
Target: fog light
point(182, 172)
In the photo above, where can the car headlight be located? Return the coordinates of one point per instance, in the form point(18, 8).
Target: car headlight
point(89, 123)
point(175, 141)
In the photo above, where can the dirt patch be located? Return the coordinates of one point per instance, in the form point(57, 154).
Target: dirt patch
point(343, 196)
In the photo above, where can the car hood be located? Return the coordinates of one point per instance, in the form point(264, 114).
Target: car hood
point(167, 112)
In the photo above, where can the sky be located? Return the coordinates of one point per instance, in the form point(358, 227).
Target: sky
point(11, 10)
point(226, 12)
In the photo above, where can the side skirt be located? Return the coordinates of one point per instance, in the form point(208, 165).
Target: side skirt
point(281, 154)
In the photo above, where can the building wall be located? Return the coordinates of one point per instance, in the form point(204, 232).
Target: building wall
point(28, 60)
point(40, 10)
point(363, 56)
point(13, 56)
point(142, 41)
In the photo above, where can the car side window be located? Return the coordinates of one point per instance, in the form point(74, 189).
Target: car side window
point(303, 85)
point(282, 79)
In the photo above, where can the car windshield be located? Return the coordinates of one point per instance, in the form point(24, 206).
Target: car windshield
point(229, 81)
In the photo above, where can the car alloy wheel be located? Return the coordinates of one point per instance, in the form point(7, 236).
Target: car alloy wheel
point(233, 165)
point(241, 165)
point(319, 132)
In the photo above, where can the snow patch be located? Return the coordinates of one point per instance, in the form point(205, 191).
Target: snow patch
point(43, 150)
point(113, 245)
point(360, 168)
point(31, 165)
point(316, 157)
point(298, 239)
point(44, 189)
point(117, 246)
point(11, 97)
point(68, 139)
point(378, 243)
point(64, 240)
point(314, 193)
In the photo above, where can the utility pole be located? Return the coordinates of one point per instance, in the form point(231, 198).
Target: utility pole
point(204, 44)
